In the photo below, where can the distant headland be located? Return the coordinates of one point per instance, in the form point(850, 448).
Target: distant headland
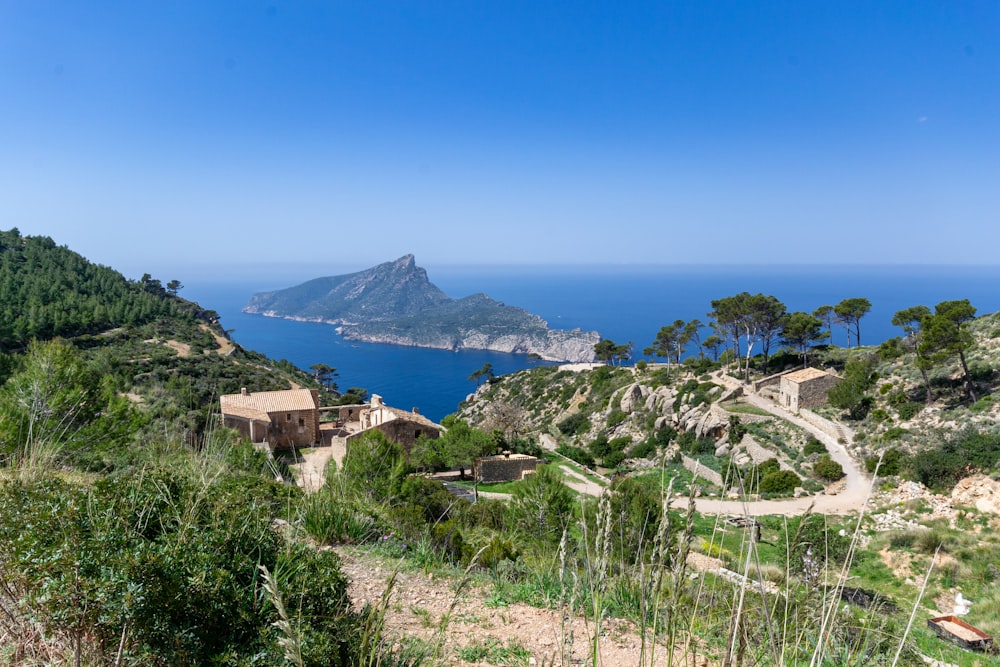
point(395, 303)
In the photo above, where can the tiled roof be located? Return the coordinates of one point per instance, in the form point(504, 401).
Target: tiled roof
point(805, 374)
point(245, 413)
point(254, 404)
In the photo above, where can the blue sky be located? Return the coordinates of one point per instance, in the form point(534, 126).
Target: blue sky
point(190, 137)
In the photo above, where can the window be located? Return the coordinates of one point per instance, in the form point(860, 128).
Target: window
point(288, 417)
point(302, 422)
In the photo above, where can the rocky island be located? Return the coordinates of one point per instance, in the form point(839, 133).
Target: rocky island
point(396, 303)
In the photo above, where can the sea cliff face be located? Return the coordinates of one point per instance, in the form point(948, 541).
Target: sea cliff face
point(395, 303)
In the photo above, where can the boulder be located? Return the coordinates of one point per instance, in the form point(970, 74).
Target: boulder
point(978, 491)
point(631, 398)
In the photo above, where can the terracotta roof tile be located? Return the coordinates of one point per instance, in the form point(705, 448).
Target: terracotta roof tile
point(268, 401)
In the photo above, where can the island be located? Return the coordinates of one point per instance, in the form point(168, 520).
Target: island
point(396, 303)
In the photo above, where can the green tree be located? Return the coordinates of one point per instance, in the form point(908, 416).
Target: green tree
point(911, 320)
point(825, 315)
point(59, 408)
point(769, 314)
point(605, 349)
point(483, 374)
point(801, 330)
point(455, 448)
point(174, 286)
point(609, 351)
point(755, 317)
point(849, 313)
point(542, 504)
point(851, 392)
point(670, 342)
point(713, 343)
point(945, 335)
point(374, 466)
point(324, 374)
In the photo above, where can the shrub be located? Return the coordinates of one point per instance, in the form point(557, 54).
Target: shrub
point(828, 469)
point(600, 447)
point(908, 410)
point(578, 454)
point(892, 461)
point(814, 446)
point(894, 433)
point(447, 539)
point(644, 450)
point(430, 497)
point(173, 561)
point(613, 460)
point(575, 424)
point(782, 481)
point(615, 418)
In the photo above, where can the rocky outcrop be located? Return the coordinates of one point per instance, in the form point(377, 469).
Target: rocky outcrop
point(395, 303)
point(978, 491)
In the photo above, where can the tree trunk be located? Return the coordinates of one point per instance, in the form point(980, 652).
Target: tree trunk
point(928, 399)
point(969, 387)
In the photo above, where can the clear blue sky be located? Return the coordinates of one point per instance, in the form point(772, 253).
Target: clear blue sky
point(183, 137)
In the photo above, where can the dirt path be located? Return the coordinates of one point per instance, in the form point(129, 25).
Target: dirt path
point(575, 480)
point(850, 497)
point(420, 602)
point(310, 470)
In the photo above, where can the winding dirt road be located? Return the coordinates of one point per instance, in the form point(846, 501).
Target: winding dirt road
point(854, 489)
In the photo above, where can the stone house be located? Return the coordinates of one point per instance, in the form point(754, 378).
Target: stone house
point(504, 467)
point(287, 418)
point(401, 426)
point(805, 388)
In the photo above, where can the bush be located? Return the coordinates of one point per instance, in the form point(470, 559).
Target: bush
point(613, 460)
point(892, 461)
point(908, 410)
point(616, 417)
point(814, 446)
point(173, 561)
point(576, 424)
point(578, 454)
point(644, 450)
point(828, 469)
point(430, 496)
point(782, 481)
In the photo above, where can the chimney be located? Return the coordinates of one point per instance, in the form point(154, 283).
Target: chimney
point(416, 411)
point(243, 391)
point(506, 453)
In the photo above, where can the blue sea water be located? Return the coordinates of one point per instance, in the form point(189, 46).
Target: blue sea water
point(622, 303)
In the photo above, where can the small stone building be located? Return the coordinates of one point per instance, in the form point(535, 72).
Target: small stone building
point(401, 426)
point(288, 418)
point(504, 467)
point(805, 388)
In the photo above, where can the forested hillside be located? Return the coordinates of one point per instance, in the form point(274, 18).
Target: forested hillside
point(50, 291)
point(133, 529)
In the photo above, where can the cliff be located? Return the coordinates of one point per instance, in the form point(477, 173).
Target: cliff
point(396, 303)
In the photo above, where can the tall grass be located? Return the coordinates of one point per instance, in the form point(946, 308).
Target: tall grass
point(751, 611)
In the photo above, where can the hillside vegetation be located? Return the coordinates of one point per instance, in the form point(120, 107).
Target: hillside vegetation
point(136, 531)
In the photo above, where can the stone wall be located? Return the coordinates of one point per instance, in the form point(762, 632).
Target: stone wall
point(700, 470)
point(294, 428)
point(501, 468)
point(813, 393)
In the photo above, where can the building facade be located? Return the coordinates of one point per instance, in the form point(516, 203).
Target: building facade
point(283, 419)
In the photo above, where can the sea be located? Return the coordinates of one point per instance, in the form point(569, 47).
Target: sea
point(621, 303)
